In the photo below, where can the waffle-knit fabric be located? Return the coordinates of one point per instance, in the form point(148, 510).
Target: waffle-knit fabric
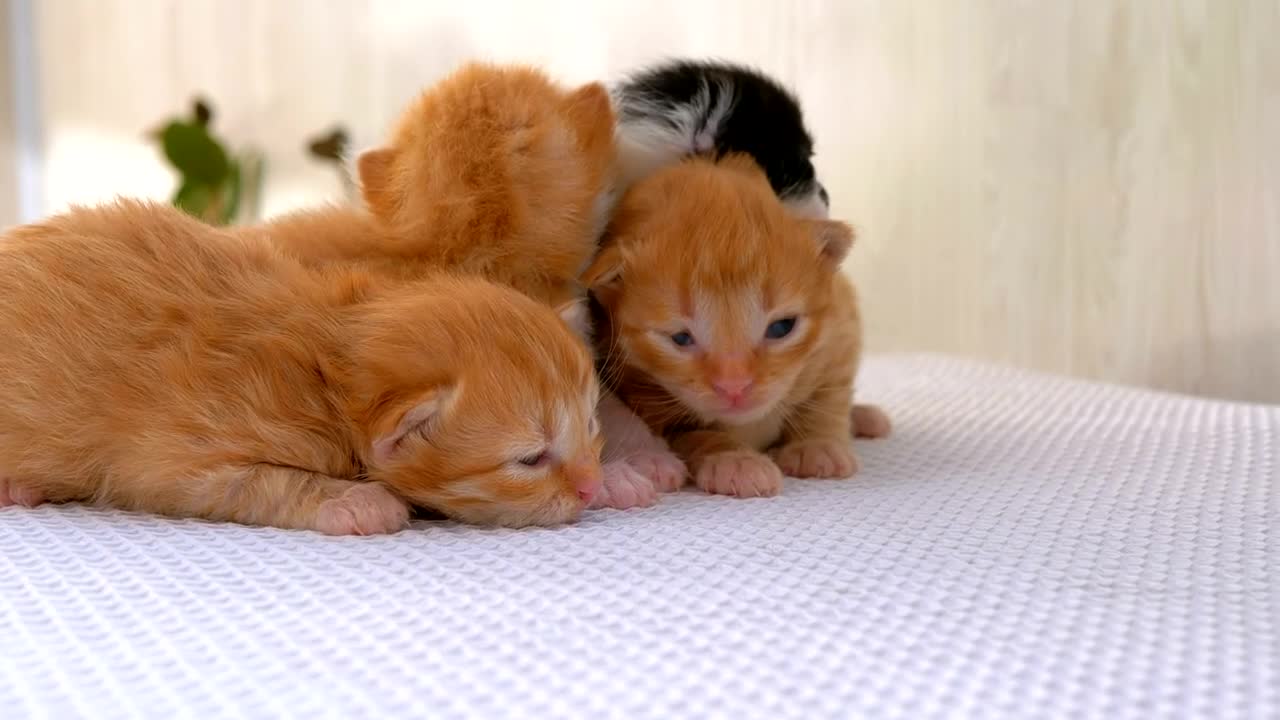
point(1023, 546)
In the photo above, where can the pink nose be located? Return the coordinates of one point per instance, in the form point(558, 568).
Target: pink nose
point(733, 389)
point(586, 479)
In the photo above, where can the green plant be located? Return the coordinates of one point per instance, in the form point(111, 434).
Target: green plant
point(332, 148)
point(214, 184)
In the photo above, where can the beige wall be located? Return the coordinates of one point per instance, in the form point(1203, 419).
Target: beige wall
point(1087, 187)
point(8, 156)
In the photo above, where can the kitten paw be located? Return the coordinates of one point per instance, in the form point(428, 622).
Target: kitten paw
point(869, 421)
point(366, 509)
point(13, 492)
point(667, 471)
point(624, 487)
point(817, 458)
point(740, 473)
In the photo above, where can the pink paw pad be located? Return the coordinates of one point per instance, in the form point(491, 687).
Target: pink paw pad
point(623, 487)
point(13, 492)
point(366, 509)
point(817, 459)
point(667, 471)
point(740, 473)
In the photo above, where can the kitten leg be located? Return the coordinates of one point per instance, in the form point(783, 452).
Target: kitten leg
point(285, 497)
point(628, 438)
point(817, 439)
point(724, 466)
point(637, 464)
point(13, 492)
point(623, 487)
point(365, 508)
point(869, 421)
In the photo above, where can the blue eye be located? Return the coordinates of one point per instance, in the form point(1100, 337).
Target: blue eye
point(682, 338)
point(780, 328)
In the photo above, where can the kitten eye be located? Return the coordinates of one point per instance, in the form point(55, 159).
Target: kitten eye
point(537, 460)
point(682, 338)
point(779, 329)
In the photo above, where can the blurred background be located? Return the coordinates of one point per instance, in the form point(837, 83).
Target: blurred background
point(1090, 188)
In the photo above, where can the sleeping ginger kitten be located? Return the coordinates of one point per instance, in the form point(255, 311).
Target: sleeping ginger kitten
point(498, 171)
point(151, 362)
point(732, 330)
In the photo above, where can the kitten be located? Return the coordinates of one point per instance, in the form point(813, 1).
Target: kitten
point(154, 363)
point(685, 108)
point(732, 329)
point(682, 108)
point(499, 171)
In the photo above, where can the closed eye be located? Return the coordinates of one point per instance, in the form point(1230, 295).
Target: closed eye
point(536, 460)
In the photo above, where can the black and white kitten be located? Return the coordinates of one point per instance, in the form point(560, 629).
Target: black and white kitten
point(685, 107)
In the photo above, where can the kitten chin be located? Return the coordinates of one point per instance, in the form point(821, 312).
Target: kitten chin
point(732, 328)
point(154, 363)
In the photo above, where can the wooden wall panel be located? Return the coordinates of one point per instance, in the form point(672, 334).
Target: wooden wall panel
point(1087, 188)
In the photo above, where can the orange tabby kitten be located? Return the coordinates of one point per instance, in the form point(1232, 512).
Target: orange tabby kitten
point(151, 362)
point(499, 171)
point(732, 329)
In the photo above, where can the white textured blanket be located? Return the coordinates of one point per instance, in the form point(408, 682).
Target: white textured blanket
point(1022, 547)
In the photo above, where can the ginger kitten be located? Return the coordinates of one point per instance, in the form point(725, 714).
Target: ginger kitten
point(496, 170)
point(732, 330)
point(151, 362)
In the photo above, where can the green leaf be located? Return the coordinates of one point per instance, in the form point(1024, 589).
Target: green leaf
point(193, 198)
point(195, 153)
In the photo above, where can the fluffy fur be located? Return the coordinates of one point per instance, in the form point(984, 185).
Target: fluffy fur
point(498, 171)
point(154, 363)
point(683, 108)
point(495, 170)
point(731, 328)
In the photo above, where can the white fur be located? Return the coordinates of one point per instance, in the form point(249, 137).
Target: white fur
point(601, 213)
point(809, 205)
point(577, 316)
point(668, 133)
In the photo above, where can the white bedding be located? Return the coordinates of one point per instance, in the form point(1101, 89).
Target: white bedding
point(1023, 547)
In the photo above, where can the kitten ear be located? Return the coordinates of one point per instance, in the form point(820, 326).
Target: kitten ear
point(417, 418)
point(589, 111)
point(605, 269)
point(833, 237)
point(374, 169)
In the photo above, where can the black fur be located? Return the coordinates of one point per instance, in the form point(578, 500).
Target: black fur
point(763, 118)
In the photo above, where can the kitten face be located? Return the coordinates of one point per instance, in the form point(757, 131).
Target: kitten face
point(530, 458)
point(714, 289)
point(504, 431)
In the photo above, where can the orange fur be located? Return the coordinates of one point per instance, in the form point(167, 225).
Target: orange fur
point(498, 171)
point(495, 170)
point(705, 248)
point(152, 362)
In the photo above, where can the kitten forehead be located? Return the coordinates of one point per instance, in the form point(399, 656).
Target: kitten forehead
point(723, 316)
point(562, 428)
